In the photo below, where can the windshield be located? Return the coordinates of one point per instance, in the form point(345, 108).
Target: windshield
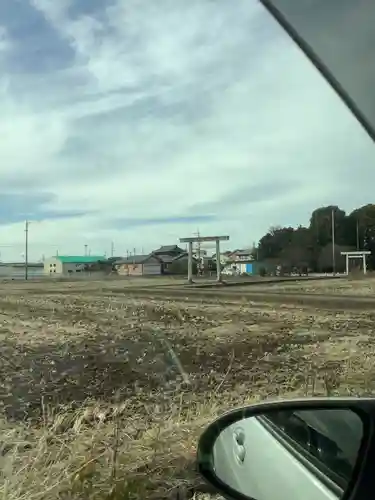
point(186, 225)
point(339, 39)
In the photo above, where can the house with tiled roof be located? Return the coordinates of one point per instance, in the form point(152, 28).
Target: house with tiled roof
point(139, 265)
point(167, 253)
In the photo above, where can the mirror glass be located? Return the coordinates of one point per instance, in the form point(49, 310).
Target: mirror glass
point(285, 454)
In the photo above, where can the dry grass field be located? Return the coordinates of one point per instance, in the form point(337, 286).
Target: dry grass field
point(104, 394)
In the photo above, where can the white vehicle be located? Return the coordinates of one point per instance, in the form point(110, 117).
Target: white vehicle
point(314, 449)
point(231, 457)
point(289, 439)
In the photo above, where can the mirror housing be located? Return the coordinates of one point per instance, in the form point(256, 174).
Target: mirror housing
point(362, 478)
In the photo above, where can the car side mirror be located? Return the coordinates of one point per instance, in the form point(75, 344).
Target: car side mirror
point(315, 449)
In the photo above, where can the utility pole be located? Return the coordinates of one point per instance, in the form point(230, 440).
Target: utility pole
point(199, 253)
point(199, 247)
point(112, 248)
point(357, 235)
point(26, 250)
point(333, 243)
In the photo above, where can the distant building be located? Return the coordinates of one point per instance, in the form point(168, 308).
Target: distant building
point(200, 253)
point(167, 254)
point(139, 265)
point(224, 257)
point(172, 250)
point(66, 265)
point(179, 265)
point(241, 255)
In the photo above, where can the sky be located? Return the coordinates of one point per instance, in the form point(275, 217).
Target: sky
point(139, 122)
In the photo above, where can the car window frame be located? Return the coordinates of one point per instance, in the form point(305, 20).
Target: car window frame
point(323, 69)
point(336, 483)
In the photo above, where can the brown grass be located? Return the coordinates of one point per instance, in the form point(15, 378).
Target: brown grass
point(105, 395)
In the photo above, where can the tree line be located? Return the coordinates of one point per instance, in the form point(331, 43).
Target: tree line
point(311, 247)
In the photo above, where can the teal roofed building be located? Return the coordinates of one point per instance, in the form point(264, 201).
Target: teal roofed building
point(68, 265)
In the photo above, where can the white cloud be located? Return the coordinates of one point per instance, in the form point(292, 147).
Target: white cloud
point(168, 109)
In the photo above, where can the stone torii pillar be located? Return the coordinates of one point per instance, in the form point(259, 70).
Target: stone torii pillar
point(218, 266)
point(201, 239)
point(347, 264)
point(190, 262)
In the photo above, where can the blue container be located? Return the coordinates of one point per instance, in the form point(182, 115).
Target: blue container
point(249, 268)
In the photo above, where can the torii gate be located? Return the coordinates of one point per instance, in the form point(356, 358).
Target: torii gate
point(201, 239)
point(359, 254)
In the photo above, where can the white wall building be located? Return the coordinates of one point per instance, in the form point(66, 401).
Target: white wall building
point(67, 265)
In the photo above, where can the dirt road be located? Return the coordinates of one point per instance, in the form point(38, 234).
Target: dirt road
point(244, 295)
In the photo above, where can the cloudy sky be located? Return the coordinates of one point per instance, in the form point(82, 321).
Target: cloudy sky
point(139, 122)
